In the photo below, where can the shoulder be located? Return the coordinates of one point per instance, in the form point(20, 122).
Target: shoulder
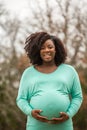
point(27, 71)
point(69, 68)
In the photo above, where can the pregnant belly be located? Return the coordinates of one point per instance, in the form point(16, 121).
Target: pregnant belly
point(51, 103)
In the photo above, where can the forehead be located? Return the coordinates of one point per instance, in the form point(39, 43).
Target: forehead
point(48, 42)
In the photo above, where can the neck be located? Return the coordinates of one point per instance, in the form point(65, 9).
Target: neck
point(48, 64)
point(46, 67)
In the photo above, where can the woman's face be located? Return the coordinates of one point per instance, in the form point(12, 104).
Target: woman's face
point(47, 51)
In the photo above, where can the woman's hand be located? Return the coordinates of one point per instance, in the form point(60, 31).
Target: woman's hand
point(63, 117)
point(36, 115)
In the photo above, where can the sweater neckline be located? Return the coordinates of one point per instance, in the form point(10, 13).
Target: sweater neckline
point(39, 72)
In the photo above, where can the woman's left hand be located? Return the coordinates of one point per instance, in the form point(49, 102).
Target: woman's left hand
point(63, 117)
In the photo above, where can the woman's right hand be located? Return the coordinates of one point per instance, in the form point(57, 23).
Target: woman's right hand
point(36, 114)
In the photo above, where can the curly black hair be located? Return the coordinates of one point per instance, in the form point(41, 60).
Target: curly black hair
point(33, 45)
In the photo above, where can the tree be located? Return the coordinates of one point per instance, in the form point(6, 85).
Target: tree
point(64, 19)
point(9, 73)
point(60, 17)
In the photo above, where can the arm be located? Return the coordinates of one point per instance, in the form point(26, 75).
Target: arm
point(76, 96)
point(76, 101)
point(23, 94)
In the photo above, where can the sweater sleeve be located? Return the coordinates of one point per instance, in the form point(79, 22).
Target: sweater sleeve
point(76, 96)
point(22, 99)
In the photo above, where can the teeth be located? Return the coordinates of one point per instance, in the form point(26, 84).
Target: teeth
point(48, 54)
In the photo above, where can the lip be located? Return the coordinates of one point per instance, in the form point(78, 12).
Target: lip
point(47, 54)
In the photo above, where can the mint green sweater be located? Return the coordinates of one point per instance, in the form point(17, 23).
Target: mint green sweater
point(59, 91)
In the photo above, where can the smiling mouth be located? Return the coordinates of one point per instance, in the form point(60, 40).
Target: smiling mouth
point(47, 57)
point(47, 54)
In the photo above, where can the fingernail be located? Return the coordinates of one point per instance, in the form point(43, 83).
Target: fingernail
point(60, 112)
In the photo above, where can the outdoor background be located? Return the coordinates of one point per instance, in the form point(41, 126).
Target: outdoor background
point(66, 19)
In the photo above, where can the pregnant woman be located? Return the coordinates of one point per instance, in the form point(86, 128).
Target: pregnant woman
point(50, 93)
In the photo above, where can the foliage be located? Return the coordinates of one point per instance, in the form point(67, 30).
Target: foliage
point(57, 19)
point(80, 120)
point(10, 116)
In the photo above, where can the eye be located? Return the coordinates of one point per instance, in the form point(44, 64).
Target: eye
point(50, 47)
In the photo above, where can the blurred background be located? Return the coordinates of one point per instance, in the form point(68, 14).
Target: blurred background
point(66, 19)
